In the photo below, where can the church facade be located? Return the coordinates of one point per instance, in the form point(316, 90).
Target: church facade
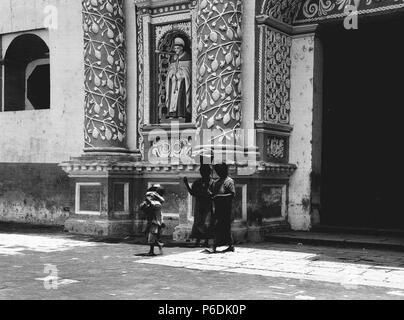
point(100, 99)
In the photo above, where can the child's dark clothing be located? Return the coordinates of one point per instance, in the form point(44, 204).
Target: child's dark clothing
point(152, 208)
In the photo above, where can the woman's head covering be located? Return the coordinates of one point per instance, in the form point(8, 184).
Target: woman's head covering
point(222, 169)
point(205, 170)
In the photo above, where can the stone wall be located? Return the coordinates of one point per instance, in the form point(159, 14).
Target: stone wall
point(34, 193)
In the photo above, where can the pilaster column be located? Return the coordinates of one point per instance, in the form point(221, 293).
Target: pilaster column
point(219, 91)
point(105, 76)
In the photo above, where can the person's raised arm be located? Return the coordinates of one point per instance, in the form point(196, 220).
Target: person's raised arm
point(188, 187)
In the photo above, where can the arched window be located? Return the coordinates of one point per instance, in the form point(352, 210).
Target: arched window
point(26, 74)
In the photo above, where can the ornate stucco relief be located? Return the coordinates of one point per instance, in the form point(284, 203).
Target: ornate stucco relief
point(219, 66)
point(105, 74)
point(316, 10)
point(162, 30)
point(141, 87)
point(165, 21)
point(172, 150)
point(275, 76)
point(281, 10)
point(276, 147)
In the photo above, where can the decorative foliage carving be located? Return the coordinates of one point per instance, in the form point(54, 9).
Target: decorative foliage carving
point(281, 10)
point(105, 73)
point(277, 65)
point(276, 147)
point(219, 65)
point(161, 31)
point(141, 93)
point(314, 10)
point(172, 150)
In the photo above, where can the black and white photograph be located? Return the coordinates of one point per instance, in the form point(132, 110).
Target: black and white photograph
point(201, 155)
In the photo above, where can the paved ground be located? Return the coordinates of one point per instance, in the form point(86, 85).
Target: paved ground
point(32, 265)
point(376, 241)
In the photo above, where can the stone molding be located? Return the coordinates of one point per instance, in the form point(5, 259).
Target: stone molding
point(318, 10)
point(93, 167)
point(288, 13)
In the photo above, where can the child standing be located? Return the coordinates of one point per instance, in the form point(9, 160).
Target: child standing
point(152, 206)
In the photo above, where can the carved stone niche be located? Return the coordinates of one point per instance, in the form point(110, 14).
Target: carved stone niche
point(172, 70)
point(159, 23)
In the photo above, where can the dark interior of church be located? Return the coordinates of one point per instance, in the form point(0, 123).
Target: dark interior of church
point(362, 127)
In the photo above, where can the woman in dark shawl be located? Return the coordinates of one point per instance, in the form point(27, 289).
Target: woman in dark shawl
point(223, 193)
point(203, 205)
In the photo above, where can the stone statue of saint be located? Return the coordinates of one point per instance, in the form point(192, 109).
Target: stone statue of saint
point(178, 83)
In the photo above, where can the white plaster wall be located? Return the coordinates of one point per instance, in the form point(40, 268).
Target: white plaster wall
point(302, 74)
point(47, 136)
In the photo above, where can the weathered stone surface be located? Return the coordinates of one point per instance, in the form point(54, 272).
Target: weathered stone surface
point(34, 193)
point(301, 147)
point(102, 228)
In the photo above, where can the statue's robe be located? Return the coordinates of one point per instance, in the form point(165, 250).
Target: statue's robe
point(178, 86)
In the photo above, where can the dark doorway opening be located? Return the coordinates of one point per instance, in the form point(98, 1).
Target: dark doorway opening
point(362, 125)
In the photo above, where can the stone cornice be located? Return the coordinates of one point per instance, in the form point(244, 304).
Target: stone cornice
point(275, 127)
point(160, 3)
point(79, 168)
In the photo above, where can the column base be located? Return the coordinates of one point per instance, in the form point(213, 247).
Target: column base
point(241, 233)
point(100, 228)
point(256, 234)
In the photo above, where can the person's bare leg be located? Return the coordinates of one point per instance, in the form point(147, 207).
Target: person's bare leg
point(160, 246)
point(151, 252)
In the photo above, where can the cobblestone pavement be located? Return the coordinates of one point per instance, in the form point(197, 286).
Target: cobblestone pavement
point(87, 269)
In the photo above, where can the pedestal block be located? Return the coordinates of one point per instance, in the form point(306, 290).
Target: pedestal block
point(103, 188)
